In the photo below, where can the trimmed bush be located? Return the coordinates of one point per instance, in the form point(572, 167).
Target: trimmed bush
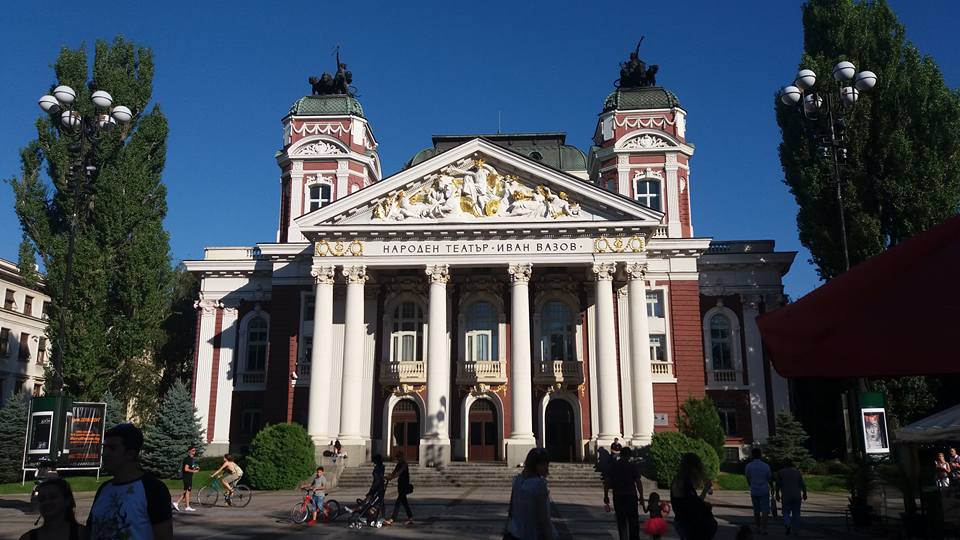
point(281, 456)
point(699, 419)
point(668, 447)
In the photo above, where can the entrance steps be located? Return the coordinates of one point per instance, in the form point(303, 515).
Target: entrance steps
point(473, 474)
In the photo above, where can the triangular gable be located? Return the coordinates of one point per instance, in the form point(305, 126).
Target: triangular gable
point(479, 182)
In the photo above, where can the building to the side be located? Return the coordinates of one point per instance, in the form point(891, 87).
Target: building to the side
point(500, 292)
point(23, 333)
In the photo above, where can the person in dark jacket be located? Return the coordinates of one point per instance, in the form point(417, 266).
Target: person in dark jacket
point(694, 516)
point(624, 480)
point(401, 471)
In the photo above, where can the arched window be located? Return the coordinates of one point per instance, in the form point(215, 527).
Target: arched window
point(319, 196)
point(257, 344)
point(647, 193)
point(721, 343)
point(406, 338)
point(481, 331)
point(559, 331)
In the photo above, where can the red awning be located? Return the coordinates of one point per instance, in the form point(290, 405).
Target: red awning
point(895, 314)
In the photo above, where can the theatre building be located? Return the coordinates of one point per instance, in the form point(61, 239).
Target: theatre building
point(500, 292)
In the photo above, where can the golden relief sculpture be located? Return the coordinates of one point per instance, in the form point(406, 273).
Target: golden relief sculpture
point(633, 244)
point(339, 248)
point(473, 188)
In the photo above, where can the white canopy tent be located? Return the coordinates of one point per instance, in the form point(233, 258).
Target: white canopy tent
point(944, 425)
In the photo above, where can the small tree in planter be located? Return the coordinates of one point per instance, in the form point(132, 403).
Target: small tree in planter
point(175, 428)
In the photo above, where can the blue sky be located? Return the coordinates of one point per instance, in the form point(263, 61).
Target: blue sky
point(228, 71)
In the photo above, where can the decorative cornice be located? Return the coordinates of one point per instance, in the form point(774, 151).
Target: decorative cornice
point(323, 274)
point(636, 270)
point(604, 271)
point(520, 272)
point(355, 274)
point(438, 273)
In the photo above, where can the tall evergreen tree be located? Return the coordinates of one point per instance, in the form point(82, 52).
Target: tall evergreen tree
point(13, 430)
point(902, 175)
point(174, 429)
point(786, 444)
point(121, 264)
point(27, 262)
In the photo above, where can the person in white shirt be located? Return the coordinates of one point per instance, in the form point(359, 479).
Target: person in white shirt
point(760, 477)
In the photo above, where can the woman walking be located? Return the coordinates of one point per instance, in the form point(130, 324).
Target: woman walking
point(694, 516)
point(529, 512)
point(56, 508)
point(402, 473)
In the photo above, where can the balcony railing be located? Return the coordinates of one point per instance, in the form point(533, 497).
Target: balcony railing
point(661, 370)
point(303, 373)
point(403, 373)
point(484, 371)
point(253, 377)
point(559, 371)
point(724, 376)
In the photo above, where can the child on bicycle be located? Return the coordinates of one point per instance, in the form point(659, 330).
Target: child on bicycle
point(318, 487)
point(232, 473)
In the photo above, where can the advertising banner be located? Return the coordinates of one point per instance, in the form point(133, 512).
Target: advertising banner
point(84, 436)
point(875, 438)
point(64, 433)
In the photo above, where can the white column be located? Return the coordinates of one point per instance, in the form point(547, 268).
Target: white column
point(606, 355)
point(521, 394)
point(352, 387)
point(225, 380)
point(641, 378)
point(435, 448)
point(673, 196)
point(754, 357)
point(204, 368)
point(321, 356)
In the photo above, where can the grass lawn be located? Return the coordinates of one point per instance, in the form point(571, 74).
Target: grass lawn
point(89, 483)
point(815, 482)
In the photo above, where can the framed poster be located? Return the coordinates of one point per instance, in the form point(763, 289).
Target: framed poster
point(41, 432)
point(875, 439)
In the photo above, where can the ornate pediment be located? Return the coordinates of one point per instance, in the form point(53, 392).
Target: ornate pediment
point(646, 142)
point(318, 148)
point(472, 188)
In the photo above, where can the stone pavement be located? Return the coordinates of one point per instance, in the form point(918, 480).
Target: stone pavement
point(449, 512)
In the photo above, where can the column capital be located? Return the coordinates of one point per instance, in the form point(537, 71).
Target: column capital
point(323, 274)
point(355, 274)
point(636, 270)
point(208, 306)
point(604, 271)
point(520, 272)
point(438, 273)
point(752, 301)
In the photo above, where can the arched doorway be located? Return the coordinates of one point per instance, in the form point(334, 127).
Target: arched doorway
point(405, 429)
point(483, 439)
point(560, 432)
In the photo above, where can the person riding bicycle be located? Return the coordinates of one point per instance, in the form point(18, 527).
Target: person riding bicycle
point(230, 477)
point(317, 486)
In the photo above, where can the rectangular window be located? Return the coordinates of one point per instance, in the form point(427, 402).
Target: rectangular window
point(24, 346)
point(46, 310)
point(42, 351)
point(8, 301)
point(28, 306)
point(4, 341)
point(655, 304)
point(18, 389)
point(728, 418)
point(731, 454)
point(251, 419)
point(37, 389)
point(658, 348)
point(479, 346)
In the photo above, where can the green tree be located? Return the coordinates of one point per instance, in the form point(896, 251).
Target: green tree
point(13, 431)
point(908, 398)
point(116, 411)
point(699, 419)
point(174, 429)
point(786, 444)
point(121, 266)
point(27, 262)
point(175, 353)
point(668, 448)
point(281, 456)
point(902, 175)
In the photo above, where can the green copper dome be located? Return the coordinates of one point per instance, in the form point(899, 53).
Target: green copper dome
point(644, 97)
point(337, 104)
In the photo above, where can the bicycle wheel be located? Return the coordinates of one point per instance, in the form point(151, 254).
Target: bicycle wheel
point(241, 496)
point(299, 513)
point(207, 496)
point(331, 510)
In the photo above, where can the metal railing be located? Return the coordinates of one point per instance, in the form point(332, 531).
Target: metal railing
point(253, 377)
point(725, 376)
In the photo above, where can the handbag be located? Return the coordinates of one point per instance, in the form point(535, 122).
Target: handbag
point(409, 489)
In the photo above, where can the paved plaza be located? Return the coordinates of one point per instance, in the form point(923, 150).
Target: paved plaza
point(441, 513)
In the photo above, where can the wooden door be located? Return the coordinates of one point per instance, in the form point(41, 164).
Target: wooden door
point(405, 429)
point(483, 437)
point(560, 431)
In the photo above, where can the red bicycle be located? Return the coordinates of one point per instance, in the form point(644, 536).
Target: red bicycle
point(304, 509)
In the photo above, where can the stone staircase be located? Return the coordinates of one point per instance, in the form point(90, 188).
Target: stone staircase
point(465, 474)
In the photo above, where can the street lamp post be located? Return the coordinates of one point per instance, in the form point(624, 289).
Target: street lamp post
point(831, 139)
point(84, 133)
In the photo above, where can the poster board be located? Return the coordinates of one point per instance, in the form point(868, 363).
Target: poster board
point(875, 437)
point(68, 433)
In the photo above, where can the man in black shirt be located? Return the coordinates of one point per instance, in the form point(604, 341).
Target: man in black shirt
point(624, 480)
point(187, 467)
point(402, 472)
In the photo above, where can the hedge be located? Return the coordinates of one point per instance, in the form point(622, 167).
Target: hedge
point(281, 456)
point(667, 449)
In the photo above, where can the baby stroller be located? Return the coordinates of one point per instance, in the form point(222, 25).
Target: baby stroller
point(368, 510)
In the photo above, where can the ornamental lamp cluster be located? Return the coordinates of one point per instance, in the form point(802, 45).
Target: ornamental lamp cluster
point(61, 103)
point(844, 73)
